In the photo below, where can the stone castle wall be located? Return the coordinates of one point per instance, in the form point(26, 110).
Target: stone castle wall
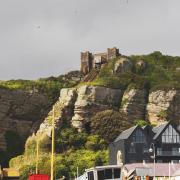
point(90, 61)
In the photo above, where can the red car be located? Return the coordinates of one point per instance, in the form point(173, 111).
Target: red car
point(39, 177)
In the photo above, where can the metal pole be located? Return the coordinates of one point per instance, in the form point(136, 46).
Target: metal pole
point(154, 162)
point(169, 171)
point(37, 154)
point(52, 148)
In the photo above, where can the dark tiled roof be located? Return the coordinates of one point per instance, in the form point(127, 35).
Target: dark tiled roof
point(125, 134)
point(157, 130)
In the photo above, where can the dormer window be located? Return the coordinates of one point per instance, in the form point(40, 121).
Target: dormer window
point(138, 137)
point(170, 135)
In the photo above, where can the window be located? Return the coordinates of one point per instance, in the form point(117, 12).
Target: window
point(132, 149)
point(117, 173)
point(170, 135)
point(108, 173)
point(146, 149)
point(175, 151)
point(138, 137)
point(159, 151)
point(101, 175)
point(90, 175)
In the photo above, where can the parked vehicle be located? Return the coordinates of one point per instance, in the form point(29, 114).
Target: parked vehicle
point(110, 172)
point(39, 177)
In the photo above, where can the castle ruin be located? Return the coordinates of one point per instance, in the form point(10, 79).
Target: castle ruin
point(90, 61)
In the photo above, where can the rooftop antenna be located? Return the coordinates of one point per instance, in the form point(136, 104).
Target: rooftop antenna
point(52, 148)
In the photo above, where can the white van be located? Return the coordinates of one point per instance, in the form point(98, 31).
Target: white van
point(110, 172)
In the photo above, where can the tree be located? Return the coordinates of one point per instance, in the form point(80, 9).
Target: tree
point(109, 124)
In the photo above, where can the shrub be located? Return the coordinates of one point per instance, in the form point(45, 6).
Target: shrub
point(94, 142)
point(141, 122)
point(108, 124)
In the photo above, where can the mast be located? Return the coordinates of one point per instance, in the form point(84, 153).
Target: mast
point(52, 148)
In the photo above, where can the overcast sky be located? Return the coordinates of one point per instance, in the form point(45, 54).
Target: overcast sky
point(40, 38)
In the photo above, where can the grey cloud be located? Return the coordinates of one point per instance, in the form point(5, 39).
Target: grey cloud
point(44, 37)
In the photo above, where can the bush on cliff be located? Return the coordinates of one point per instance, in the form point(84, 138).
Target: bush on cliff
point(109, 124)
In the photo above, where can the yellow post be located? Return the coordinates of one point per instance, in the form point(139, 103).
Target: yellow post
point(52, 149)
point(37, 154)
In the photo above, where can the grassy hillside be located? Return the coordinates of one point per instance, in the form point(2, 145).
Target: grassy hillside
point(49, 86)
point(161, 71)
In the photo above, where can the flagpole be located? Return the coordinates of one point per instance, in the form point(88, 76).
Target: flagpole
point(37, 154)
point(52, 148)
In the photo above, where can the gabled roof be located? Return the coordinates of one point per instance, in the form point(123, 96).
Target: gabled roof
point(125, 134)
point(158, 130)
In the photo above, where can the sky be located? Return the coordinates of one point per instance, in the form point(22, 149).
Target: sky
point(41, 38)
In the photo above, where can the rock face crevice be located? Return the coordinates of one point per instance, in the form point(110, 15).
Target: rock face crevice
point(134, 104)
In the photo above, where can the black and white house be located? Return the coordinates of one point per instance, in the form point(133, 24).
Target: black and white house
point(144, 144)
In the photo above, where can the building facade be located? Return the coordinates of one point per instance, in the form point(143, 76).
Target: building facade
point(140, 144)
point(90, 61)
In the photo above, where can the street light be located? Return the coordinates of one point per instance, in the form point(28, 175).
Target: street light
point(152, 149)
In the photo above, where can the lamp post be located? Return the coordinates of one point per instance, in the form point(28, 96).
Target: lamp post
point(152, 149)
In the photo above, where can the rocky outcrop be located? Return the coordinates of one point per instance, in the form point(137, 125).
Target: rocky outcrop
point(123, 65)
point(63, 110)
point(77, 106)
point(25, 112)
point(19, 110)
point(163, 105)
point(92, 99)
point(134, 104)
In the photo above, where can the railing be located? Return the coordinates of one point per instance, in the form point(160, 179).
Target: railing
point(168, 153)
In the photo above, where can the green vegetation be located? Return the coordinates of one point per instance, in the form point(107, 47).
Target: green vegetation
point(14, 147)
point(73, 150)
point(49, 86)
point(141, 122)
point(162, 115)
point(109, 124)
point(160, 72)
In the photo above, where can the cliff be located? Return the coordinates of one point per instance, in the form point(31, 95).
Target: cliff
point(24, 104)
point(125, 89)
point(19, 110)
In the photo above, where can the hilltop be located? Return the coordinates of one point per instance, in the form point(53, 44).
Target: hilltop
point(92, 108)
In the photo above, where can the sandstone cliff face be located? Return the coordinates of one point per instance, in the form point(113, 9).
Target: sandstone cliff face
point(77, 106)
point(25, 112)
point(63, 110)
point(134, 104)
point(19, 110)
point(164, 105)
point(92, 99)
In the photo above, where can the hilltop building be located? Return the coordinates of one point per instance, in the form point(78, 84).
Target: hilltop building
point(90, 61)
point(143, 144)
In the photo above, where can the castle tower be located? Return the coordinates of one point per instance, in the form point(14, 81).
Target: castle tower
point(86, 62)
point(112, 53)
